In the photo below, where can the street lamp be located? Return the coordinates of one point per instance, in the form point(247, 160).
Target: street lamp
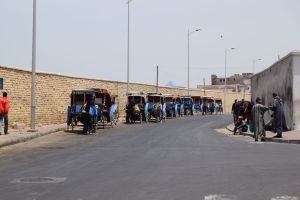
point(128, 43)
point(33, 78)
point(188, 36)
point(225, 91)
point(253, 64)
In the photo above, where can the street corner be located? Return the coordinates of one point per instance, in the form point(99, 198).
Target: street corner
point(224, 131)
point(230, 127)
point(289, 137)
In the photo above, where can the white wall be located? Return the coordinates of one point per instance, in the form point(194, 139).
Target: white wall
point(277, 79)
point(296, 91)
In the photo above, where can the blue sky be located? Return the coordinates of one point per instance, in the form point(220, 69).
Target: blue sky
point(88, 38)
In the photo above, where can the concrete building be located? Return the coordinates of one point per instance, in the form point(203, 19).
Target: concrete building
point(238, 82)
point(283, 78)
point(232, 80)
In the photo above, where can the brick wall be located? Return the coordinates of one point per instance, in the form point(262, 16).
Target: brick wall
point(53, 94)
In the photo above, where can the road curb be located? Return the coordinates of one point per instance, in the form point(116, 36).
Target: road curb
point(275, 140)
point(29, 137)
point(284, 141)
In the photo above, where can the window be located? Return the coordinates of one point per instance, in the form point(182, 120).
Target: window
point(1, 83)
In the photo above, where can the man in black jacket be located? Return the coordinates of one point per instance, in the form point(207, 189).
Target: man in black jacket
point(235, 110)
point(277, 108)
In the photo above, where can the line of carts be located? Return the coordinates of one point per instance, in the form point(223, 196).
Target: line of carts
point(97, 108)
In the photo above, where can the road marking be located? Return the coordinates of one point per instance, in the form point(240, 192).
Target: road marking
point(38, 180)
point(220, 197)
point(285, 198)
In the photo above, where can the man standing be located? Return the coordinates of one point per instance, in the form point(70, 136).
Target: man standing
point(257, 113)
point(4, 106)
point(235, 110)
point(278, 115)
point(1, 115)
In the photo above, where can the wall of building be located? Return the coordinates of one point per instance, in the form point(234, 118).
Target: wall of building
point(277, 79)
point(296, 91)
point(53, 94)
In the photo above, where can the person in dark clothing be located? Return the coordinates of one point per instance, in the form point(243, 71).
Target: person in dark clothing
point(86, 116)
point(235, 110)
point(277, 108)
point(243, 109)
point(258, 111)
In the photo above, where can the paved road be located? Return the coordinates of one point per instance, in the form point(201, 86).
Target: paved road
point(182, 159)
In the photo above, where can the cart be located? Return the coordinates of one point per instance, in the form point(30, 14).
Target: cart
point(155, 107)
point(135, 107)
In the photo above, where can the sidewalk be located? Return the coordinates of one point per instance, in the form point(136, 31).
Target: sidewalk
point(290, 137)
point(21, 135)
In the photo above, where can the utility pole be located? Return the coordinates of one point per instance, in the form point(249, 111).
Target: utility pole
point(188, 57)
point(204, 85)
point(128, 46)
point(157, 79)
point(225, 91)
point(33, 76)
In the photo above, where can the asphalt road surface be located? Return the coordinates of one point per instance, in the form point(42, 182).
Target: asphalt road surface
point(182, 159)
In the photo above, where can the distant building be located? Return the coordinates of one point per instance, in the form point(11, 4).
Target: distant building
point(236, 79)
point(235, 83)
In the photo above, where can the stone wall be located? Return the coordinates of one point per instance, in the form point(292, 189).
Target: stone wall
point(279, 78)
point(53, 94)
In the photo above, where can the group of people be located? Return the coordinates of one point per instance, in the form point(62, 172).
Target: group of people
point(253, 114)
point(4, 106)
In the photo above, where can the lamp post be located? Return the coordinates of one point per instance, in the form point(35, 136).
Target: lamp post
point(225, 91)
point(128, 44)
point(253, 64)
point(188, 37)
point(33, 78)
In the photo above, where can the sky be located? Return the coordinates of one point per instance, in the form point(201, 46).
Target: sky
point(88, 38)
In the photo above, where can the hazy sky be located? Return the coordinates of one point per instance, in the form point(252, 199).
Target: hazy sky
point(88, 38)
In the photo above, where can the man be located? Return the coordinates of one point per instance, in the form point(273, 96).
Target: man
point(4, 106)
point(278, 115)
point(235, 110)
point(257, 113)
point(86, 116)
point(243, 109)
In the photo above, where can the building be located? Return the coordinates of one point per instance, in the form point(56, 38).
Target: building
point(236, 79)
point(283, 78)
point(235, 83)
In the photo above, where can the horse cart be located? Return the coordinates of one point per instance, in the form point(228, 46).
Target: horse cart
point(155, 107)
point(208, 105)
point(82, 110)
point(219, 105)
point(91, 108)
point(171, 106)
point(135, 108)
point(107, 107)
point(180, 106)
point(197, 104)
point(188, 105)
